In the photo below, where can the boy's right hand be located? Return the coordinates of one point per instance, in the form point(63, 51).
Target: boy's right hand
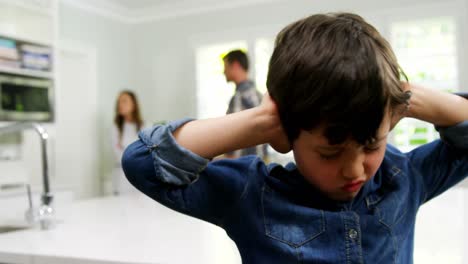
point(212, 137)
point(277, 137)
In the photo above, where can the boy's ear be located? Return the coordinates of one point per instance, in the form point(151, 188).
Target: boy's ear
point(394, 121)
point(397, 114)
point(401, 111)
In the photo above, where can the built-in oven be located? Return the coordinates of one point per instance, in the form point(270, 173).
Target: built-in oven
point(25, 98)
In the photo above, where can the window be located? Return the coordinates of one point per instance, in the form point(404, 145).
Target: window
point(426, 50)
point(213, 93)
point(263, 50)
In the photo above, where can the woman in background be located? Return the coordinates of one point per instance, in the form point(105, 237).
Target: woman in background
point(127, 123)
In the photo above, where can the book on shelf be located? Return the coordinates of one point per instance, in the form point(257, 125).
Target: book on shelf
point(8, 49)
point(10, 63)
point(36, 57)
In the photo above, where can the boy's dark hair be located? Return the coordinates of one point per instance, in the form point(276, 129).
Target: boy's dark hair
point(334, 70)
point(239, 56)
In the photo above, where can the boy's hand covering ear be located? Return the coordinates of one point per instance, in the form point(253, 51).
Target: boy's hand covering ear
point(276, 135)
point(401, 111)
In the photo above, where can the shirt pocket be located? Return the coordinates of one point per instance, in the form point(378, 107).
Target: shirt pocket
point(393, 207)
point(290, 223)
point(390, 210)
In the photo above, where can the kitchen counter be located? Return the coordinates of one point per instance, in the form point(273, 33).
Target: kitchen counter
point(135, 229)
point(126, 229)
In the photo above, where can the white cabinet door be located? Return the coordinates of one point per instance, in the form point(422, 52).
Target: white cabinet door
point(76, 148)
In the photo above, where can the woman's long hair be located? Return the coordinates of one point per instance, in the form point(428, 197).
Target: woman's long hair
point(136, 116)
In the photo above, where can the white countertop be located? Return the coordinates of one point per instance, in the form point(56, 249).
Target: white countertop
point(125, 229)
point(135, 229)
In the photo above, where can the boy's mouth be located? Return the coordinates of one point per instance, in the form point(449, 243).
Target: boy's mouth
point(353, 186)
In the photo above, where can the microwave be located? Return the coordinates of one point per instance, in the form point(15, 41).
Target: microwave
point(25, 98)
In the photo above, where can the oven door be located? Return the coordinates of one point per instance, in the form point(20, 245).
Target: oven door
point(25, 99)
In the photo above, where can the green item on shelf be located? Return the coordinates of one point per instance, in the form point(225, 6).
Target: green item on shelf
point(19, 107)
point(7, 43)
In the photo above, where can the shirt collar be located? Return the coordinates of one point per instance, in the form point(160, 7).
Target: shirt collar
point(244, 85)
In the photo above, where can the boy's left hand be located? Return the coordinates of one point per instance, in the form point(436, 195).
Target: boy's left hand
point(401, 111)
point(434, 106)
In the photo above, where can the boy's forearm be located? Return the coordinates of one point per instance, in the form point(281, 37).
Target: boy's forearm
point(215, 136)
point(437, 107)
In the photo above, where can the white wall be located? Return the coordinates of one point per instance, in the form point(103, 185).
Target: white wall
point(26, 23)
point(165, 53)
point(114, 49)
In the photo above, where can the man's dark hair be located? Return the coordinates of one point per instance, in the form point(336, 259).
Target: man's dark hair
point(334, 70)
point(239, 56)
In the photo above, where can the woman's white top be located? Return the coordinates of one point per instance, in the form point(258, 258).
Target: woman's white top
point(129, 135)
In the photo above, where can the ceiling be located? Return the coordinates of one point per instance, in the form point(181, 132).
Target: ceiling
point(141, 11)
point(138, 11)
point(139, 4)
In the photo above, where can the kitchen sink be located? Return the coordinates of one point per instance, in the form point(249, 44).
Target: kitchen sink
point(11, 228)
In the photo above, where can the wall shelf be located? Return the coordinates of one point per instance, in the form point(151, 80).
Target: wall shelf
point(26, 72)
point(26, 40)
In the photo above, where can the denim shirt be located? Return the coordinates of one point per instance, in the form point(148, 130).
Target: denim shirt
point(274, 216)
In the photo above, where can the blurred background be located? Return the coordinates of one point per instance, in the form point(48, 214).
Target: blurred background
point(80, 54)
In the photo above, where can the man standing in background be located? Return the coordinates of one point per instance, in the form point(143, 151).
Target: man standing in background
point(236, 67)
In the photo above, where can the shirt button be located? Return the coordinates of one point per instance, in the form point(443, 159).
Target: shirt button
point(352, 234)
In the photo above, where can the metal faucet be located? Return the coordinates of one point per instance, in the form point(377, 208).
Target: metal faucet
point(46, 211)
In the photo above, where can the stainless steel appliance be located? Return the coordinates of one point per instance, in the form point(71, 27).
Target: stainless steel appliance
point(24, 98)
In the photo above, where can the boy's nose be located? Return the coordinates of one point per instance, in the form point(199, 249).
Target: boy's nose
point(354, 167)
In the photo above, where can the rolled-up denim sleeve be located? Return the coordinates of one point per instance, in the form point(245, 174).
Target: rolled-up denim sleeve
point(172, 163)
point(443, 163)
point(180, 179)
point(456, 136)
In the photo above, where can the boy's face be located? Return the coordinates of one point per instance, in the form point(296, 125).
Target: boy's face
point(339, 171)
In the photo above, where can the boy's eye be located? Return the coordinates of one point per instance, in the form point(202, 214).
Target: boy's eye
point(370, 149)
point(329, 156)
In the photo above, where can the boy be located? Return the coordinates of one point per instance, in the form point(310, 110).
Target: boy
point(335, 94)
